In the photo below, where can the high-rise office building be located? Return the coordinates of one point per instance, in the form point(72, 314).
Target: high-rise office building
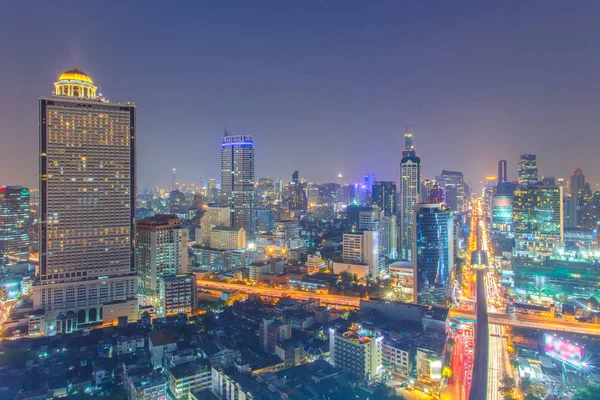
point(433, 248)
point(237, 179)
point(161, 250)
point(454, 186)
point(410, 189)
point(538, 219)
point(502, 171)
point(528, 170)
point(384, 196)
point(213, 216)
point(14, 225)
point(87, 204)
point(577, 184)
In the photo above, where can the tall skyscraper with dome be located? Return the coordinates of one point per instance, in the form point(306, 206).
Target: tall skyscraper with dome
point(87, 206)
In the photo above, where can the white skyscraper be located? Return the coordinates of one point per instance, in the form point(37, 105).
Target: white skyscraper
point(87, 205)
point(410, 189)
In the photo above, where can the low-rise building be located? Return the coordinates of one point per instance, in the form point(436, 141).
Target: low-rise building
point(397, 356)
point(189, 377)
point(227, 238)
point(129, 344)
point(358, 351)
point(177, 294)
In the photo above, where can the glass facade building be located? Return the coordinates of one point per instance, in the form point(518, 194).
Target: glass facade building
point(537, 219)
point(433, 248)
point(528, 170)
point(14, 225)
point(384, 196)
point(502, 214)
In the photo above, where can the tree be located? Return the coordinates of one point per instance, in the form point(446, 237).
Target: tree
point(507, 384)
point(590, 392)
point(526, 383)
point(346, 277)
point(532, 396)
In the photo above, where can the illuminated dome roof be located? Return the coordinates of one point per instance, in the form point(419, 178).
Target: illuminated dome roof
point(75, 75)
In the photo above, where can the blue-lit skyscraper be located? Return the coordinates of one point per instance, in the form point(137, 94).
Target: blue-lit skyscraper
point(433, 254)
point(14, 225)
point(237, 179)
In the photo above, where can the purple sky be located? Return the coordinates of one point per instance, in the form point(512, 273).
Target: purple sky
point(324, 86)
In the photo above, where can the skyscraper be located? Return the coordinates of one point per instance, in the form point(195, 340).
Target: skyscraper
point(454, 187)
point(87, 204)
point(410, 189)
point(384, 196)
point(528, 170)
point(502, 174)
point(577, 184)
point(433, 247)
point(174, 185)
point(14, 225)
point(237, 179)
point(538, 219)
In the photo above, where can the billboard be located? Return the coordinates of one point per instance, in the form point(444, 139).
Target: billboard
point(563, 350)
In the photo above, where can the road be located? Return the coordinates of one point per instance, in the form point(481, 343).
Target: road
point(514, 320)
point(479, 388)
point(263, 291)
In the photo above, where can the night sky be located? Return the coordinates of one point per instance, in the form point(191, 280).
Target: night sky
point(323, 86)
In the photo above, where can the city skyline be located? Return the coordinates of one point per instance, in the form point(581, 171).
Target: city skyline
point(475, 95)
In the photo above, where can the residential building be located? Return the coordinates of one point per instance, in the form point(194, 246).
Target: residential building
point(273, 331)
point(228, 238)
point(358, 351)
point(362, 247)
point(213, 217)
point(161, 249)
point(388, 242)
point(177, 294)
point(189, 377)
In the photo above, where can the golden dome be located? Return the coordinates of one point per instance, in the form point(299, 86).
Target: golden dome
point(75, 75)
